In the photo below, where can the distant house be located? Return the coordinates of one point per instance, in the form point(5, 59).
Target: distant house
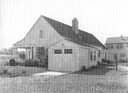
point(117, 48)
point(68, 47)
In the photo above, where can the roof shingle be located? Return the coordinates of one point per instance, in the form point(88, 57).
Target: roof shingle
point(82, 38)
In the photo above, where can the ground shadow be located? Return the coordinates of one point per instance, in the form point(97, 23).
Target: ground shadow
point(16, 71)
point(98, 70)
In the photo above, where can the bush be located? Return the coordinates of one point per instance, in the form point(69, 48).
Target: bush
point(106, 61)
point(22, 55)
point(83, 68)
point(37, 63)
point(12, 62)
point(32, 63)
point(45, 62)
point(5, 71)
point(93, 67)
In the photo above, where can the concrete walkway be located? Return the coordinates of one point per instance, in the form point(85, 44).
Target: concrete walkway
point(122, 68)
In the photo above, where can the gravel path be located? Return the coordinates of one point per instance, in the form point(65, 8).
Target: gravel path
point(70, 83)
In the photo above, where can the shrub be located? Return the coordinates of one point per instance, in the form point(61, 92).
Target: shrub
point(22, 55)
point(45, 62)
point(106, 61)
point(93, 67)
point(37, 63)
point(12, 62)
point(5, 71)
point(32, 63)
point(83, 68)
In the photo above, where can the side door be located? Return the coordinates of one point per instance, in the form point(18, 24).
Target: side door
point(57, 59)
point(68, 59)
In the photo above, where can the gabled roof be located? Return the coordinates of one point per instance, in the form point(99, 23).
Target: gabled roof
point(82, 38)
point(114, 40)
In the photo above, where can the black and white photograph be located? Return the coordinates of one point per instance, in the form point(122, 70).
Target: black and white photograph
point(63, 46)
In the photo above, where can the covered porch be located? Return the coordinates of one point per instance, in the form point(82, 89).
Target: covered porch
point(30, 51)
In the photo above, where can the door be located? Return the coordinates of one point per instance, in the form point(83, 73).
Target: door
point(68, 62)
point(57, 59)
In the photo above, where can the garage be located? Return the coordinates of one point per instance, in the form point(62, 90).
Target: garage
point(69, 56)
point(62, 57)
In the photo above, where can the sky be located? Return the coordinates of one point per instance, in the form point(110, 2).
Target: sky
point(102, 18)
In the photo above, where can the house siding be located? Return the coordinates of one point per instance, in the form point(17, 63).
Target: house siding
point(32, 39)
point(83, 57)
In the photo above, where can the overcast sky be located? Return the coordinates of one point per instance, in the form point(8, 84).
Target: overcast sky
point(102, 18)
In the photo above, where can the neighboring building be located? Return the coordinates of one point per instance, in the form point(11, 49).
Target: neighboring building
point(68, 47)
point(117, 48)
point(6, 51)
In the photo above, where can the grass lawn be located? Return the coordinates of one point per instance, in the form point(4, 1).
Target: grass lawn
point(21, 70)
point(90, 81)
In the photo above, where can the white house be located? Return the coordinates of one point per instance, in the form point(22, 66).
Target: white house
point(69, 48)
point(117, 48)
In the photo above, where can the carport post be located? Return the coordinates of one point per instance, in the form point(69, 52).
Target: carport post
point(116, 65)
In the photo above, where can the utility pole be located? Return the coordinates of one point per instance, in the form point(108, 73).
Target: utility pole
point(116, 62)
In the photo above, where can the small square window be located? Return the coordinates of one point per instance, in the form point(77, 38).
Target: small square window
point(68, 51)
point(58, 51)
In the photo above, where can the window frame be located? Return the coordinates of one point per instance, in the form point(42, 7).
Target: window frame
point(57, 51)
point(99, 53)
point(91, 55)
point(94, 55)
point(68, 51)
point(119, 45)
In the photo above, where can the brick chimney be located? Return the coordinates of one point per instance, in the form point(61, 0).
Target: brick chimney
point(75, 25)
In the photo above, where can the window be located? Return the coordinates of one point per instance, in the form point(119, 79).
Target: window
point(58, 51)
point(91, 58)
point(68, 51)
point(111, 46)
point(105, 55)
point(99, 53)
point(119, 46)
point(94, 55)
point(122, 55)
point(41, 34)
